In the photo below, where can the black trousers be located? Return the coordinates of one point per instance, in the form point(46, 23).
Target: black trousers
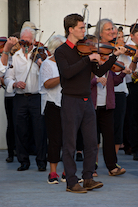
point(79, 142)
point(77, 113)
point(8, 101)
point(119, 116)
point(133, 87)
point(26, 107)
point(54, 131)
point(105, 122)
point(127, 130)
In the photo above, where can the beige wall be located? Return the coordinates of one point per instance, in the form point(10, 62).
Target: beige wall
point(48, 16)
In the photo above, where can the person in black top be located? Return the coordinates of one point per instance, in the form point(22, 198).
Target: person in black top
point(77, 109)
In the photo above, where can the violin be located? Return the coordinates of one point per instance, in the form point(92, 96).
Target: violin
point(117, 66)
point(131, 49)
point(42, 46)
point(40, 53)
point(3, 40)
point(87, 47)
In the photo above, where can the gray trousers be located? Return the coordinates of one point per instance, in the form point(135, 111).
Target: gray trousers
point(75, 113)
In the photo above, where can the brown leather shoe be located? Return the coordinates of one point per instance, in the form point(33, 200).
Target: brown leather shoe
point(77, 188)
point(90, 184)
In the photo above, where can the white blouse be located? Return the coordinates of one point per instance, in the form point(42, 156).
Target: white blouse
point(2, 69)
point(49, 70)
point(101, 93)
point(122, 87)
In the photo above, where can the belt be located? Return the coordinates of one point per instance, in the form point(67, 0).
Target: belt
point(28, 94)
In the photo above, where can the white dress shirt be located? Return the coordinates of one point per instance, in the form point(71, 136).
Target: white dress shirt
point(19, 72)
point(128, 76)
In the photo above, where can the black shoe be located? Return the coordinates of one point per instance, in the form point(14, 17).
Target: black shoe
point(135, 156)
point(79, 156)
point(9, 159)
point(41, 167)
point(23, 167)
point(63, 178)
point(15, 154)
point(128, 151)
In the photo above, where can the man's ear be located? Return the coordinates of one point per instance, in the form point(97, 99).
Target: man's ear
point(70, 29)
point(131, 35)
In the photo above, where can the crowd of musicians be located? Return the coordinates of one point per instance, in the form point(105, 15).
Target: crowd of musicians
point(62, 104)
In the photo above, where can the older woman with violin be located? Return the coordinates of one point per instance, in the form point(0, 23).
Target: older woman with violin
point(104, 101)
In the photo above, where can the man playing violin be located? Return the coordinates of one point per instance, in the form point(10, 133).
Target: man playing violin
point(132, 83)
point(27, 100)
point(77, 110)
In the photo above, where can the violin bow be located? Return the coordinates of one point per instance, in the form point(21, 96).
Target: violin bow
point(115, 43)
point(132, 30)
point(123, 25)
point(49, 38)
point(113, 52)
point(99, 29)
point(84, 15)
point(99, 35)
point(34, 56)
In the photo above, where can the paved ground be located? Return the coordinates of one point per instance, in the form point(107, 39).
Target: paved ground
point(30, 188)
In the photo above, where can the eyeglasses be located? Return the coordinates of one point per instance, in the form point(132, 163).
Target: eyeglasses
point(109, 29)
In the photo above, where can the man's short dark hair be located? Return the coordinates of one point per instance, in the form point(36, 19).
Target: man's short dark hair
point(134, 29)
point(71, 20)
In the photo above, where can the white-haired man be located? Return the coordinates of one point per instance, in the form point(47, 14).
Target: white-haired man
point(27, 101)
